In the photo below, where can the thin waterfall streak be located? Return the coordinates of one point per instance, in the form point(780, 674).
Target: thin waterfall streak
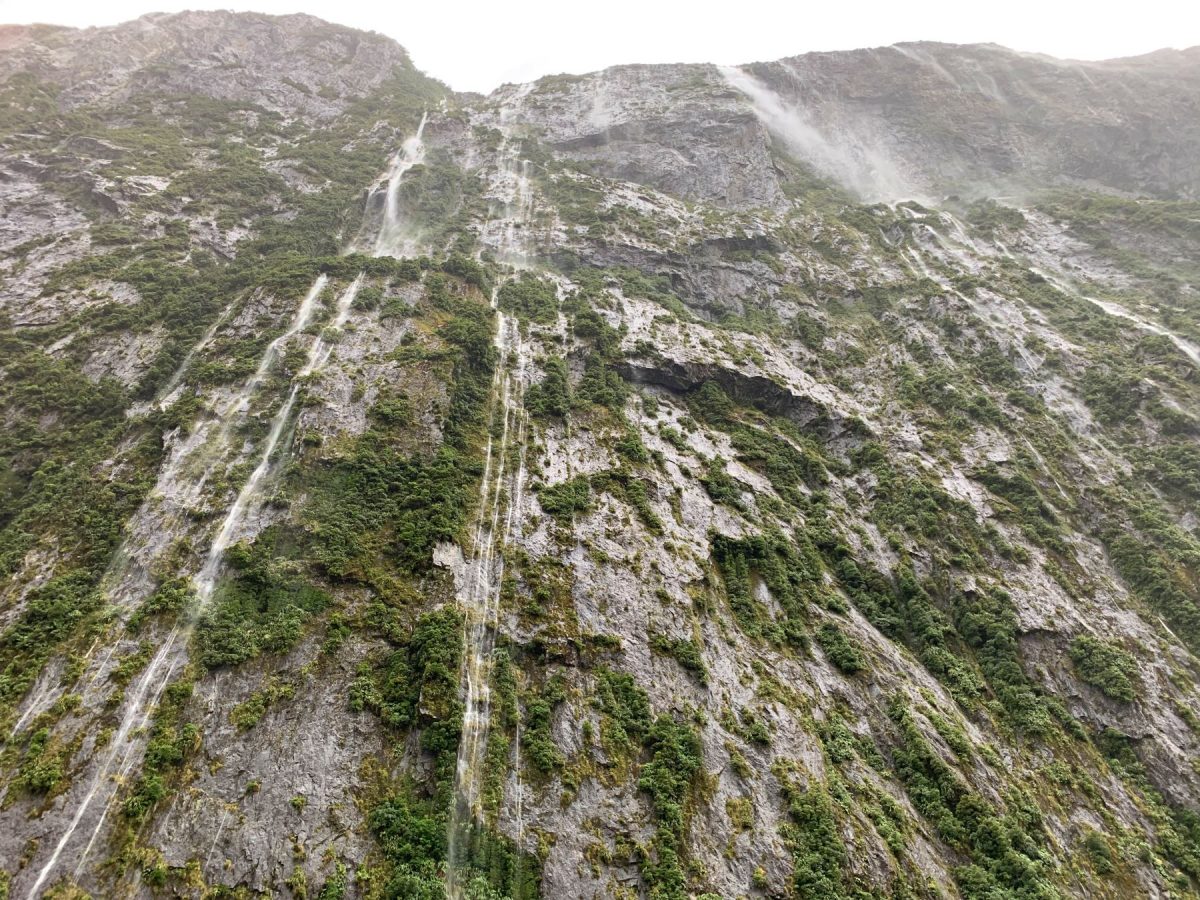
point(206, 581)
point(302, 320)
point(128, 760)
point(228, 417)
point(33, 707)
point(166, 661)
point(176, 378)
point(518, 791)
point(101, 776)
point(500, 495)
point(170, 475)
point(1186, 347)
point(208, 576)
point(213, 846)
point(318, 356)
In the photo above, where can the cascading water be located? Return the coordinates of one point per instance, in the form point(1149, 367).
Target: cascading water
point(144, 694)
point(251, 492)
point(480, 595)
point(1186, 347)
point(206, 580)
point(176, 379)
point(967, 253)
point(862, 166)
point(178, 488)
point(392, 240)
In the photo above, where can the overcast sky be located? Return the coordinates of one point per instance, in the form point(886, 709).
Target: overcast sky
point(479, 45)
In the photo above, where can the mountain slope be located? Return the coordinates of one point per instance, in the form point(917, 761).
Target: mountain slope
point(594, 489)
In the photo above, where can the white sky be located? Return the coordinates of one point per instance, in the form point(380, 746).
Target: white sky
point(480, 45)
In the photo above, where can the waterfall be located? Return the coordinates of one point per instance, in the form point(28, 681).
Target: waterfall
point(501, 497)
point(251, 492)
point(859, 165)
point(392, 241)
point(180, 482)
point(143, 696)
point(180, 485)
point(176, 379)
point(1186, 347)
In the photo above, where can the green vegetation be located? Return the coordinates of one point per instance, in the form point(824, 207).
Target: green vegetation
point(988, 624)
point(819, 855)
point(720, 486)
point(600, 384)
point(988, 217)
point(1036, 518)
point(411, 836)
point(261, 606)
point(550, 398)
point(625, 711)
point(171, 739)
point(669, 779)
point(1162, 564)
point(415, 688)
point(625, 485)
point(1006, 849)
point(566, 499)
point(44, 764)
point(1105, 666)
point(531, 298)
point(790, 570)
point(669, 776)
point(788, 458)
point(416, 685)
point(840, 650)
point(247, 715)
point(539, 748)
point(683, 650)
point(378, 505)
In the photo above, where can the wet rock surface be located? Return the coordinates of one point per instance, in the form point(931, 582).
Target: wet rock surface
point(643, 439)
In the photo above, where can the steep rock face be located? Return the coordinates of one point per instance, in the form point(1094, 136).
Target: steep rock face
point(296, 65)
point(578, 491)
point(914, 120)
point(675, 128)
point(939, 119)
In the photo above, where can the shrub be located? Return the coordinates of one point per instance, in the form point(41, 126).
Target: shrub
point(550, 397)
point(538, 741)
point(683, 650)
point(262, 606)
point(626, 712)
point(840, 650)
point(1105, 666)
point(668, 779)
point(564, 500)
point(791, 570)
point(817, 849)
point(530, 297)
point(720, 486)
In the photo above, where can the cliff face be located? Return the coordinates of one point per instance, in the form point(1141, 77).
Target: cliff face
point(669, 482)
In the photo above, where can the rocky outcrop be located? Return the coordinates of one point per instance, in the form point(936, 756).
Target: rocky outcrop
point(298, 65)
